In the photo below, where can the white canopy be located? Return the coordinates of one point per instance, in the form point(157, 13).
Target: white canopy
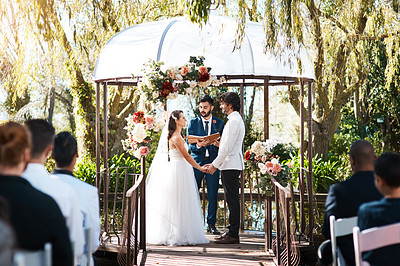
point(174, 40)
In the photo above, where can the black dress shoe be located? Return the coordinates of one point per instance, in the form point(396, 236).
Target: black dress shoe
point(227, 239)
point(221, 236)
point(212, 229)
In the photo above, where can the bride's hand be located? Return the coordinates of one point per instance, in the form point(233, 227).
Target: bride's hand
point(204, 169)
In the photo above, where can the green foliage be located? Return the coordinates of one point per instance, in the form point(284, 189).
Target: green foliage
point(118, 166)
point(266, 184)
point(334, 169)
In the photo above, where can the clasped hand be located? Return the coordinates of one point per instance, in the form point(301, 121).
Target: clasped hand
point(209, 169)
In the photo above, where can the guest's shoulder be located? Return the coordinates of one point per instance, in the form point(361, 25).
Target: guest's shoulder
point(371, 206)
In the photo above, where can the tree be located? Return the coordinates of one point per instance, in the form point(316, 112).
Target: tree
point(335, 32)
point(70, 34)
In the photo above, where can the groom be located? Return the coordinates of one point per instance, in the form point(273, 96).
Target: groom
point(230, 162)
point(204, 153)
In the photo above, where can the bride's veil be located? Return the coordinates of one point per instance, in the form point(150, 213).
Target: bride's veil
point(160, 160)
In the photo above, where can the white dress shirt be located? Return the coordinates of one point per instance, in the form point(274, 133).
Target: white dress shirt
point(230, 154)
point(88, 198)
point(209, 130)
point(64, 195)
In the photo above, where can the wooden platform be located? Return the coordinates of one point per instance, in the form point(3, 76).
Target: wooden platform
point(250, 251)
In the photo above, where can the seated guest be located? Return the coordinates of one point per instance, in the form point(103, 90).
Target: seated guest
point(65, 153)
point(7, 238)
point(42, 134)
point(345, 197)
point(34, 216)
point(386, 211)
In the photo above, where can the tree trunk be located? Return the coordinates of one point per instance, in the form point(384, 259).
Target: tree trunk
point(52, 98)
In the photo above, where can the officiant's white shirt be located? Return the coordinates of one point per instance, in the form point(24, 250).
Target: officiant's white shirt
point(230, 154)
point(64, 195)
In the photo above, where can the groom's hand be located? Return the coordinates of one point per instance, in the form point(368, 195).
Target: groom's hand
point(211, 168)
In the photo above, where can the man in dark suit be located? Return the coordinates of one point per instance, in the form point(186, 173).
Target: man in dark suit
point(204, 153)
point(386, 211)
point(345, 198)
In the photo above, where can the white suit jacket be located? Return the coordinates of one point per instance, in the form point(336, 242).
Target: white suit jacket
point(64, 195)
point(230, 154)
point(88, 198)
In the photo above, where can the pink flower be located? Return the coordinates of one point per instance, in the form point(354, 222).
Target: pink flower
point(149, 119)
point(276, 168)
point(203, 70)
point(290, 165)
point(172, 74)
point(184, 70)
point(269, 164)
point(143, 150)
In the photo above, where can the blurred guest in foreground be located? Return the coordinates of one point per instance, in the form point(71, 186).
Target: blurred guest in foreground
point(42, 133)
point(65, 153)
point(34, 216)
point(386, 211)
point(345, 197)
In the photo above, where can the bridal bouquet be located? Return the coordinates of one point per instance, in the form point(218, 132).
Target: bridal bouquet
point(260, 157)
point(140, 128)
point(160, 84)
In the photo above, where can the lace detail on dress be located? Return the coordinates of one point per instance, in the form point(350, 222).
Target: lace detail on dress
point(175, 154)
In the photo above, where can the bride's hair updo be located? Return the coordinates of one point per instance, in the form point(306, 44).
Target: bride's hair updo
point(175, 115)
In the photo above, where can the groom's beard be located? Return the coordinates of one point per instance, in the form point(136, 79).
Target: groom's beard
point(203, 114)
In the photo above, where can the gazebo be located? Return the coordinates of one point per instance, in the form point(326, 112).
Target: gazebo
point(174, 40)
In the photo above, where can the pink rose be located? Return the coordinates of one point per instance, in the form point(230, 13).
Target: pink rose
point(184, 70)
point(203, 70)
point(172, 74)
point(143, 150)
point(149, 120)
point(276, 168)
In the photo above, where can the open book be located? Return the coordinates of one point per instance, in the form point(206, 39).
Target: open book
point(194, 139)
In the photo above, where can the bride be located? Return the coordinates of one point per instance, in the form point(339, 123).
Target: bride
point(172, 200)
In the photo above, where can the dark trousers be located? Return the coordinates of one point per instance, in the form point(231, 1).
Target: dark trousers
point(212, 182)
point(230, 182)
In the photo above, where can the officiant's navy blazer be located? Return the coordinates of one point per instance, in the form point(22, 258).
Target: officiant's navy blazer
point(196, 128)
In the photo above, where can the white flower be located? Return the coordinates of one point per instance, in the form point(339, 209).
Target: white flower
point(189, 90)
point(193, 84)
point(258, 148)
point(139, 133)
point(178, 76)
point(155, 94)
point(172, 96)
point(262, 167)
point(275, 161)
point(137, 154)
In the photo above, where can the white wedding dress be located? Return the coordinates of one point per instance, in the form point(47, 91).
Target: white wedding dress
point(173, 213)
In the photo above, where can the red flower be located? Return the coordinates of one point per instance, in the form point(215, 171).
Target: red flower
point(204, 77)
point(138, 117)
point(166, 89)
point(247, 155)
point(214, 121)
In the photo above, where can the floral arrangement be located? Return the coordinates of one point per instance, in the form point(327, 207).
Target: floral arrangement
point(140, 128)
point(158, 85)
point(260, 158)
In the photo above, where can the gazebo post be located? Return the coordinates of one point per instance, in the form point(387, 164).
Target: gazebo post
point(310, 157)
point(266, 108)
point(98, 176)
point(303, 222)
point(242, 173)
point(105, 140)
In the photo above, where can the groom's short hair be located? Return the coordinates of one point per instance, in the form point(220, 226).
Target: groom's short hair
point(231, 98)
point(207, 98)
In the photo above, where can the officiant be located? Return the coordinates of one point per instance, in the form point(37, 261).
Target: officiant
point(204, 152)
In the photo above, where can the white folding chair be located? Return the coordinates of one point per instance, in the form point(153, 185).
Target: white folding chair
point(374, 238)
point(34, 258)
point(340, 227)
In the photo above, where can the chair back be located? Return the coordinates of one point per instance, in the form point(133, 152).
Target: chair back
point(374, 238)
point(340, 227)
point(34, 258)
